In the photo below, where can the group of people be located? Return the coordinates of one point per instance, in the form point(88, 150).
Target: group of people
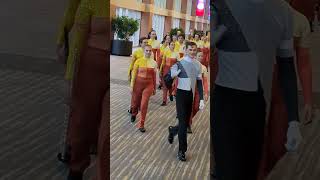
point(255, 115)
point(182, 67)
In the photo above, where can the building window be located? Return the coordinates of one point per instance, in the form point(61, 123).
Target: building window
point(189, 6)
point(160, 3)
point(187, 28)
point(175, 23)
point(158, 25)
point(177, 5)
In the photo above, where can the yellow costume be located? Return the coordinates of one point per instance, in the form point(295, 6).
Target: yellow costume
point(137, 54)
point(68, 20)
point(168, 54)
point(86, 11)
point(155, 44)
point(142, 63)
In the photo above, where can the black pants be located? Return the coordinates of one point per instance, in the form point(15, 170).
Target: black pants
point(184, 101)
point(237, 125)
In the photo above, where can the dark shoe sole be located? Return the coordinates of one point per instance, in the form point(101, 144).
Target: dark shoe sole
point(142, 130)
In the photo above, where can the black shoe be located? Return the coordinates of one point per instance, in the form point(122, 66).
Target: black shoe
point(159, 87)
point(170, 137)
point(189, 131)
point(163, 104)
point(171, 98)
point(142, 130)
point(133, 119)
point(129, 111)
point(75, 176)
point(181, 156)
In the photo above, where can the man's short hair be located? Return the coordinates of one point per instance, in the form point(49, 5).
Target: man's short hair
point(190, 43)
point(181, 35)
point(148, 45)
point(141, 39)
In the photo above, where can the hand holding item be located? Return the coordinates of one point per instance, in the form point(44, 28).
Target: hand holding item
point(201, 106)
point(294, 137)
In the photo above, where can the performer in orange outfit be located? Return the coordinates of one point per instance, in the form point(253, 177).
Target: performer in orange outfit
point(165, 45)
point(155, 44)
point(196, 101)
point(143, 85)
point(170, 58)
point(278, 120)
point(88, 64)
point(137, 54)
point(206, 52)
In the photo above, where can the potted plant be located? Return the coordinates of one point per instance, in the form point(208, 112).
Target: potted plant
point(174, 31)
point(124, 28)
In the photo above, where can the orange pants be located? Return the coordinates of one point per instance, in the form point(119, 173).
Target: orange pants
point(206, 57)
point(275, 137)
point(103, 165)
point(90, 87)
point(156, 55)
point(142, 91)
point(196, 99)
point(168, 63)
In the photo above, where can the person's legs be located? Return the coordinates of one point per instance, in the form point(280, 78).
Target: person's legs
point(184, 112)
point(237, 125)
point(89, 91)
point(147, 92)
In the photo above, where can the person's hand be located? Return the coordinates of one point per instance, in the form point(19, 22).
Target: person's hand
point(294, 137)
point(201, 106)
point(206, 97)
point(61, 54)
point(131, 90)
point(307, 114)
point(175, 73)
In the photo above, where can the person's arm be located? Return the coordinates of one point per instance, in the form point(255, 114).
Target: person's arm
point(134, 73)
point(302, 46)
point(68, 21)
point(163, 62)
point(205, 82)
point(133, 60)
point(82, 26)
point(199, 84)
point(219, 29)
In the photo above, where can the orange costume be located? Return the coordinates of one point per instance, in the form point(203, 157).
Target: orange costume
point(196, 101)
point(143, 84)
point(206, 54)
point(169, 59)
point(155, 44)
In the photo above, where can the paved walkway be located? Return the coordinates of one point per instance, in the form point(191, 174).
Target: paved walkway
point(31, 111)
point(149, 156)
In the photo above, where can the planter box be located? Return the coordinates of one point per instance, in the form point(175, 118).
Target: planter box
point(121, 47)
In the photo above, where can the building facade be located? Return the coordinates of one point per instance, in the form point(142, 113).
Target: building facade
point(162, 15)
